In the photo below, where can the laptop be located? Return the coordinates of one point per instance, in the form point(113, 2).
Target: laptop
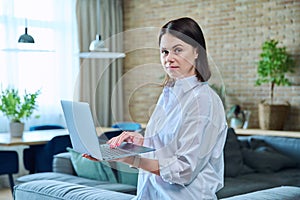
point(84, 137)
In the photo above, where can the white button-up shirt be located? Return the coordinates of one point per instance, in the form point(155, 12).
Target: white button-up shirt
point(188, 130)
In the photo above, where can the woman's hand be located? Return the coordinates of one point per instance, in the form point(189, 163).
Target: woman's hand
point(124, 160)
point(147, 164)
point(89, 157)
point(131, 137)
point(126, 136)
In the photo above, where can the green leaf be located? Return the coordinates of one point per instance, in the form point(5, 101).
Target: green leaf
point(16, 108)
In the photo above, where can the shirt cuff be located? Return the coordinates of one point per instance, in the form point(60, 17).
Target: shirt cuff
point(165, 168)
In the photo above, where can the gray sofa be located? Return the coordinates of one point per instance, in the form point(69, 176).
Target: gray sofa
point(254, 163)
point(255, 166)
point(65, 171)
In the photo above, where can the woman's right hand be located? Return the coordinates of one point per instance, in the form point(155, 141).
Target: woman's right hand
point(126, 136)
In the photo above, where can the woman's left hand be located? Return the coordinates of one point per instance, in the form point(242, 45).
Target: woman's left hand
point(89, 157)
point(124, 160)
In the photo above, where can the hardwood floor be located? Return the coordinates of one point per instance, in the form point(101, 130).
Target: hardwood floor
point(5, 194)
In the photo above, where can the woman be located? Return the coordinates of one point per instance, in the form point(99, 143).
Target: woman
point(188, 126)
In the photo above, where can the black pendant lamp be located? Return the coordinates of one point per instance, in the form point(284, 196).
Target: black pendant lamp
point(25, 38)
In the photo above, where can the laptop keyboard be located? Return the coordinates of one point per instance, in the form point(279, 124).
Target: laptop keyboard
point(110, 153)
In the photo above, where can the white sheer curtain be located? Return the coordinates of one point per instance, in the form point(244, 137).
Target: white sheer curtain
point(52, 24)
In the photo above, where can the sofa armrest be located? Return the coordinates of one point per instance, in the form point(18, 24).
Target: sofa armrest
point(62, 163)
point(53, 190)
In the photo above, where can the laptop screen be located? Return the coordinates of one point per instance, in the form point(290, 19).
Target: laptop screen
point(81, 128)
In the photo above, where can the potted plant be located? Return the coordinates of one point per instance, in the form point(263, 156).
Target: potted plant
point(272, 68)
point(17, 108)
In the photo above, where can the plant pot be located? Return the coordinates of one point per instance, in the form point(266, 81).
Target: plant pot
point(272, 116)
point(16, 129)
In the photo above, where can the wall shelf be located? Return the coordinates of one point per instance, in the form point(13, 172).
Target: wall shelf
point(101, 55)
point(246, 132)
point(22, 50)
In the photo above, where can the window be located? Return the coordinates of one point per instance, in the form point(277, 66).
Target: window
point(50, 64)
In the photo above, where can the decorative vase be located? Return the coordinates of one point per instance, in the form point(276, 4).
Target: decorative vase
point(236, 122)
point(16, 129)
point(272, 116)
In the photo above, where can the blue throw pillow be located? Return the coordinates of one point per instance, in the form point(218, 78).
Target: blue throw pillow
point(91, 169)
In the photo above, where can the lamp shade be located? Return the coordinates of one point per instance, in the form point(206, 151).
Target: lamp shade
point(25, 38)
point(97, 44)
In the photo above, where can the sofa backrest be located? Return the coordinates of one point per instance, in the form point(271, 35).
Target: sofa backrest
point(248, 154)
point(286, 145)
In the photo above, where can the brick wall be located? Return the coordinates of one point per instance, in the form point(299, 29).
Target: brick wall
point(234, 31)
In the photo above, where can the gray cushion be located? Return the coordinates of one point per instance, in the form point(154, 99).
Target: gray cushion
point(234, 186)
point(263, 158)
point(278, 193)
point(285, 145)
point(283, 177)
point(54, 190)
point(232, 155)
point(77, 180)
point(257, 181)
point(62, 163)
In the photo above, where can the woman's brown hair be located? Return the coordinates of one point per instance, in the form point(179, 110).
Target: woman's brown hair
point(187, 30)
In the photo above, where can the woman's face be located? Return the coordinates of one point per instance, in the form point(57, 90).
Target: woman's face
point(177, 57)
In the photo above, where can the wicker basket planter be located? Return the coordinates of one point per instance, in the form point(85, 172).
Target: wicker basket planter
point(272, 116)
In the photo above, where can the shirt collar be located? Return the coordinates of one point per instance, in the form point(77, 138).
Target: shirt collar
point(187, 84)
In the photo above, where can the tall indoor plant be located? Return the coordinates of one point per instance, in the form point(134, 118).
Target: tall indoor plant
point(17, 108)
point(272, 68)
